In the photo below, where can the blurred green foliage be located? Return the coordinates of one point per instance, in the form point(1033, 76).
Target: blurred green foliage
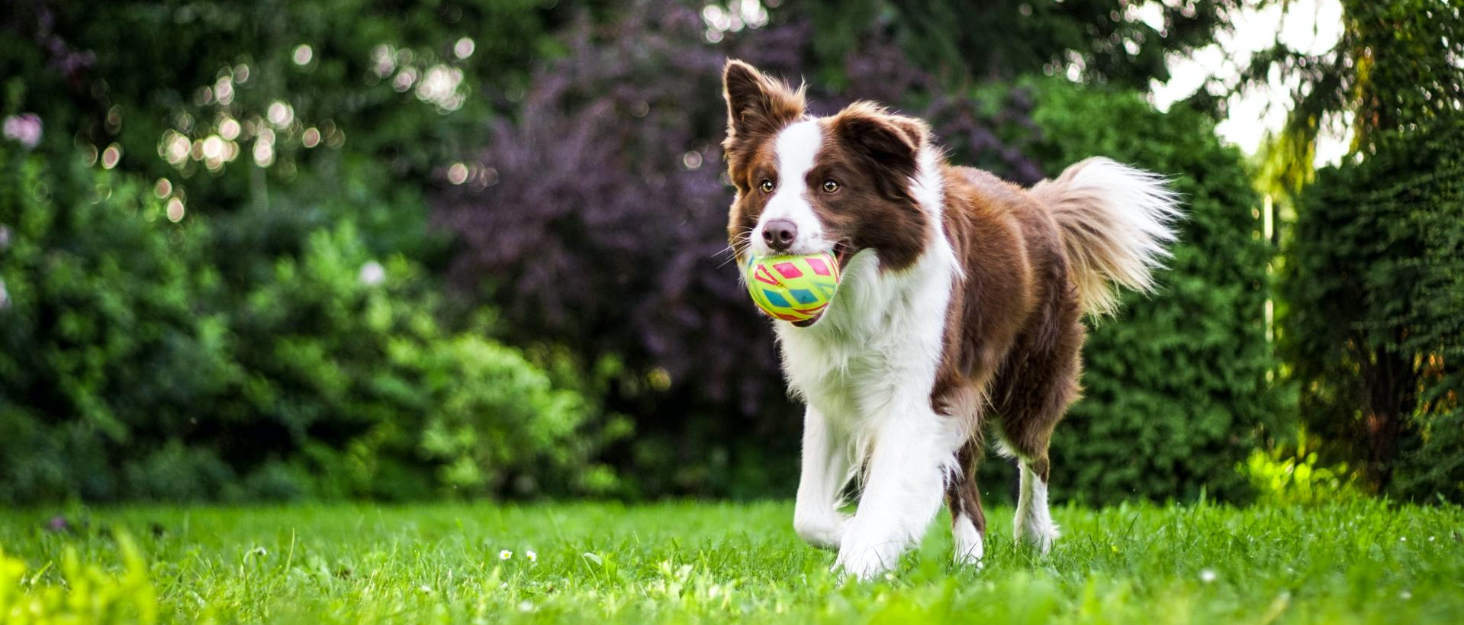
point(1375, 331)
point(1292, 475)
point(1176, 392)
point(86, 592)
point(129, 369)
point(248, 304)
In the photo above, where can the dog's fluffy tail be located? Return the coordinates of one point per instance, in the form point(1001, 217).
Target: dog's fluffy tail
point(1115, 222)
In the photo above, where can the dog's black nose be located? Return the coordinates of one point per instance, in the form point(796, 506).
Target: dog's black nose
point(779, 234)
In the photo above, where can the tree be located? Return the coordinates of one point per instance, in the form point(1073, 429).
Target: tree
point(1368, 260)
point(1120, 42)
point(1396, 67)
point(1374, 332)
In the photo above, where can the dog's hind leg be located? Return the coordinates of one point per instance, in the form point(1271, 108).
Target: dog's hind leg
point(1033, 521)
point(963, 497)
point(1032, 395)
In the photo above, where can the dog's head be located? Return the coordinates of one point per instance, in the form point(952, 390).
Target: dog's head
point(839, 184)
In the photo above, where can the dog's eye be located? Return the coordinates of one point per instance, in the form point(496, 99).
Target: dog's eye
point(830, 186)
point(766, 186)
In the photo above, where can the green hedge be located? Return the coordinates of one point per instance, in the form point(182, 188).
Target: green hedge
point(1176, 393)
point(130, 368)
point(1375, 326)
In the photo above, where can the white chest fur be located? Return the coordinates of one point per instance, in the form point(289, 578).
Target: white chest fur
point(880, 343)
point(878, 346)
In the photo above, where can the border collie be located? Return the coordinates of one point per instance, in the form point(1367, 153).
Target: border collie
point(961, 298)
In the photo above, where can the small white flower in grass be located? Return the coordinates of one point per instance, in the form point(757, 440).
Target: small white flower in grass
point(505, 554)
point(1405, 595)
point(1207, 575)
point(533, 557)
point(426, 590)
point(1402, 539)
point(526, 606)
point(1430, 539)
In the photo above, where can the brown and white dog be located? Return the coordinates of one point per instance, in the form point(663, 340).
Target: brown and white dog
point(961, 298)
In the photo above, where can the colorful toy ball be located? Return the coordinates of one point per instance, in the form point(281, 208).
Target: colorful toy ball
point(793, 288)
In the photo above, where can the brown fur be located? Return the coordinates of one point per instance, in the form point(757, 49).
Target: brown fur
point(869, 153)
point(1013, 333)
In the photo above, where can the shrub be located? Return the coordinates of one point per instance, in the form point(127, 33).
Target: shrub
point(101, 346)
point(1373, 328)
point(131, 368)
point(1176, 392)
point(342, 352)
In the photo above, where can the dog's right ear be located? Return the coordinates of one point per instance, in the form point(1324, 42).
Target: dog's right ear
point(757, 104)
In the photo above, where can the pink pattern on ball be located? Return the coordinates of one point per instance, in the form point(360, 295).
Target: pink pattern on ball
point(788, 270)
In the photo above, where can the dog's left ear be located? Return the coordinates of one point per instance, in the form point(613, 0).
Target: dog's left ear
point(890, 143)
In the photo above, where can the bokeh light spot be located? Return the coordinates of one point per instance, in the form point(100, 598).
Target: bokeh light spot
point(464, 48)
point(458, 173)
point(280, 114)
point(175, 210)
point(302, 54)
point(224, 90)
point(213, 147)
point(404, 79)
point(111, 155)
point(385, 60)
point(263, 153)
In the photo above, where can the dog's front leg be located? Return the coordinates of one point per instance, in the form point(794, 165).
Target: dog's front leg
point(902, 490)
point(825, 471)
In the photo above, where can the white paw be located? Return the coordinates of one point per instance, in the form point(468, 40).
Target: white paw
point(825, 532)
point(1037, 534)
point(866, 560)
point(969, 546)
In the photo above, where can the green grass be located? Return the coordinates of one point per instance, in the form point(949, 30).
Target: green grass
point(1356, 563)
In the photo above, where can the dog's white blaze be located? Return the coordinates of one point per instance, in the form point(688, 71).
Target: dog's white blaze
point(969, 546)
point(796, 149)
point(1034, 521)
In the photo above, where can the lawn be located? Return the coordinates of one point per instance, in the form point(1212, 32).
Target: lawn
point(695, 562)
